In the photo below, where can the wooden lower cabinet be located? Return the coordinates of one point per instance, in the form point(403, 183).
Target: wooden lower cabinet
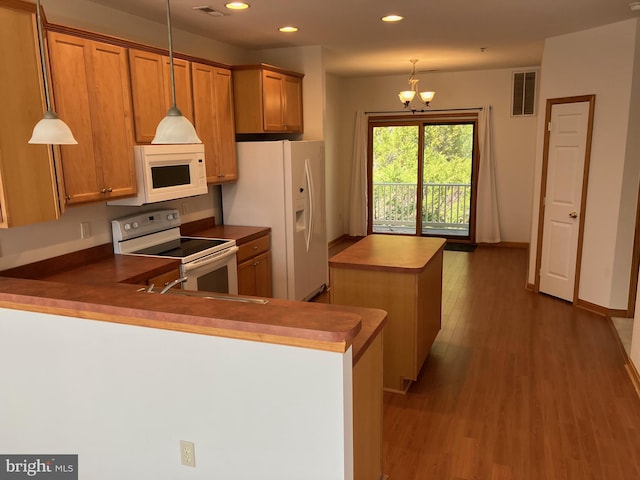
point(367, 413)
point(254, 268)
point(403, 276)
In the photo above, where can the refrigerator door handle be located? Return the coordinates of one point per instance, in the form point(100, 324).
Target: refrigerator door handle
point(310, 196)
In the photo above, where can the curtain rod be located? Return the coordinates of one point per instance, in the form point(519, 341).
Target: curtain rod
point(429, 111)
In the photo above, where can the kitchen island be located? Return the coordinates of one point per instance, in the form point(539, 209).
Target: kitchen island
point(118, 375)
point(402, 275)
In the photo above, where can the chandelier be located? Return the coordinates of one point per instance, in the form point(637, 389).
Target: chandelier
point(407, 96)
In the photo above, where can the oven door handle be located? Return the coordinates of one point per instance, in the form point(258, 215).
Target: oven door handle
point(187, 267)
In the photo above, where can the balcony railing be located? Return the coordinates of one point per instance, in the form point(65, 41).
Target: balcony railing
point(445, 208)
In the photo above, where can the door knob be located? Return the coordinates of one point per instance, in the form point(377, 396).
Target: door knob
point(573, 214)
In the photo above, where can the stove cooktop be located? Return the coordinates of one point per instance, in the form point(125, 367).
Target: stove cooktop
point(181, 247)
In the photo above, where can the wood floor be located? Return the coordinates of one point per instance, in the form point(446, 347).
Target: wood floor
point(517, 386)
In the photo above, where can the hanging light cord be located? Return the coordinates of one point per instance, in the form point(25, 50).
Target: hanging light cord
point(173, 80)
point(43, 63)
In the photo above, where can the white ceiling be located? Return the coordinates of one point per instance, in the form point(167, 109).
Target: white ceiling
point(445, 35)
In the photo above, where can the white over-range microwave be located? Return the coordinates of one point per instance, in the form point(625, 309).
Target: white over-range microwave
point(167, 172)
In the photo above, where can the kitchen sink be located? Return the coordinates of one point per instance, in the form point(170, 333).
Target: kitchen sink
point(209, 295)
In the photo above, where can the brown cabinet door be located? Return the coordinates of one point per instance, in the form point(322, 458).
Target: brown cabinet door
point(151, 90)
point(254, 276)
point(273, 88)
point(184, 95)
point(110, 100)
point(91, 89)
point(71, 66)
point(213, 113)
point(246, 278)
point(27, 184)
point(225, 125)
point(262, 267)
point(148, 92)
point(293, 104)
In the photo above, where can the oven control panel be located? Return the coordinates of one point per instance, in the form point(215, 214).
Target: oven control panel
point(140, 224)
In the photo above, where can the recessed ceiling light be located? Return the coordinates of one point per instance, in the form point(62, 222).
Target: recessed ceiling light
point(237, 5)
point(288, 29)
point(392, 18)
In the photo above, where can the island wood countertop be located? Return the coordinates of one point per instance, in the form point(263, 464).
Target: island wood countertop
point(399, 253)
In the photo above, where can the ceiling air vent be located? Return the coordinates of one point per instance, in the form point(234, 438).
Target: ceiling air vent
point(208, 10)
point(523, 99)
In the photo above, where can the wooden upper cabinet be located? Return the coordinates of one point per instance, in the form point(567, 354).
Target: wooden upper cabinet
point(28, 191)
point(267, 100)
point(213, 115)
point(151, 90)
point(292, 88)
point(92, 94)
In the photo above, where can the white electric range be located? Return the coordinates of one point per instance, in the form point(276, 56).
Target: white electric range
point(209, 264)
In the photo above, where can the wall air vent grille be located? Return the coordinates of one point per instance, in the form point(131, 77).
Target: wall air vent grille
point(523, 98)
point(208, 10)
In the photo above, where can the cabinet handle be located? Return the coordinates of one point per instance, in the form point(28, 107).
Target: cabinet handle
point(221, 175)
point(109, 190)
point(255, 247)
point(255, 264)
point(104, 190)
point(67, 198)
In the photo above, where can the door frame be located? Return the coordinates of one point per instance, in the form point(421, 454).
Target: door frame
point(420, 120)
point(543, 186)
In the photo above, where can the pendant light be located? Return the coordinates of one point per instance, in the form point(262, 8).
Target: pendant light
point(407, 96)
point(174, 128)
point(50, 130)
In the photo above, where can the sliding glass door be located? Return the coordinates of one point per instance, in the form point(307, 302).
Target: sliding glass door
point(422, 177)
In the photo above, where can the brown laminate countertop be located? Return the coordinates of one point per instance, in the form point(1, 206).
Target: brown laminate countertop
point(408, 254)
point(319, 326)
point(96, 284)
point(207, 228)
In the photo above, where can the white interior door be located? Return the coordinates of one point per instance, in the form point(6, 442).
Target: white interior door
point(565, 175)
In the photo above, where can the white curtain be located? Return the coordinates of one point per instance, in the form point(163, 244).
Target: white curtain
point(487, 214)
point(358, 198)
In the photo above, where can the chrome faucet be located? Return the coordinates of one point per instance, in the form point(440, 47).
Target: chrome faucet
point(170, 285)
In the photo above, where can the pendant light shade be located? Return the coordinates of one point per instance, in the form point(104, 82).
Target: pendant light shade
point(50, 130)
point(174, 128)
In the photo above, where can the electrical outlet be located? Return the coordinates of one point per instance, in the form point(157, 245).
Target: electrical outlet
point(187, 453)
point(85, 230)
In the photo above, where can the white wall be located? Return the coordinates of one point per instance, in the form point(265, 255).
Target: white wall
point(338, 168)
point(514, 137)
point(599, 61)
point(122, 397)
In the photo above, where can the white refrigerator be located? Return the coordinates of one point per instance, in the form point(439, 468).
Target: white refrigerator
point(281, 184)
